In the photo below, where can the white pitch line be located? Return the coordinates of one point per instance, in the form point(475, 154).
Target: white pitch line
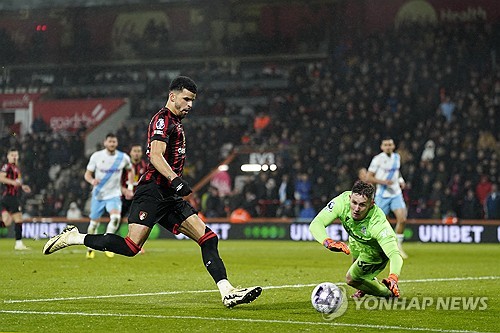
point(247, 320)
point(214, 290)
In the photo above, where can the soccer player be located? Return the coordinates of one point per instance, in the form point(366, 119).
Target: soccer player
point(384, 172)
point(372, 240)
point(10, 175)
point(104, 173)
point(140, 166)
point(159, 199)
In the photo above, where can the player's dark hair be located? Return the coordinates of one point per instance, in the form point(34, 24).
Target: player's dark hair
point(385, 138)
point(183, 82)
point(12, 149)
point(110, 135)
point(363, 188)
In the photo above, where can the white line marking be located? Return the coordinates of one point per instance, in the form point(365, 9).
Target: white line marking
point(248, 320)
point(214, 290)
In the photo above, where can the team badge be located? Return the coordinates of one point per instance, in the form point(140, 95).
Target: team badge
point(143, 215)
point(160, 124)
point(363, 230)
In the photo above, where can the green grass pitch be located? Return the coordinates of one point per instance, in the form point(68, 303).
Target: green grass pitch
point(167, 289)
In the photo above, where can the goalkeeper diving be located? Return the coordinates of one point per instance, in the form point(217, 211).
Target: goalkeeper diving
point(372, 241)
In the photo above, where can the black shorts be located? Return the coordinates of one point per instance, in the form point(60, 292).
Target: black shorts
point(154, 204)
point(125, 207)
point(11, 204)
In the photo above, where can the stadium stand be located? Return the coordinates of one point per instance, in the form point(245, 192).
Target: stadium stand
point(434, 89)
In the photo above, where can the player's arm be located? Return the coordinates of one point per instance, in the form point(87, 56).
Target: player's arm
point(370, 177)
point(89, 172)
point(402, 182)
point(130, 174)
point(388, 242)
point(318, 230)
point(7, 181)
point(89, 178)
point(157, 150)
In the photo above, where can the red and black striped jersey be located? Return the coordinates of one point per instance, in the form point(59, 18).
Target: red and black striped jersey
point(12, 172)
point(139, 169)
point(167, 127)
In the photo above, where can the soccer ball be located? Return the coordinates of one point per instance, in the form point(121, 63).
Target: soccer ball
point(326, 297)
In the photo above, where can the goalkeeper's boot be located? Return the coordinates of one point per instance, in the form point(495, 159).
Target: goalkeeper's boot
point(241, 296)
point(60, 241)
point(358, 294)
point(90, 254)
point(109, 254)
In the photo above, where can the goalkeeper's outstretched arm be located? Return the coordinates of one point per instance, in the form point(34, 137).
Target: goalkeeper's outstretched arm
point(319, 224)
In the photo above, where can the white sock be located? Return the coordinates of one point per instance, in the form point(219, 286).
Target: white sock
point(76, 239)
point(93, 227)
point(224, 287)
point(19, 242)
point(400, 238)
point(114, 223)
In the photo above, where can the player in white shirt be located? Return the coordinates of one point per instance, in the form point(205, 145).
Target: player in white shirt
point(384, 172)
point(104, 173)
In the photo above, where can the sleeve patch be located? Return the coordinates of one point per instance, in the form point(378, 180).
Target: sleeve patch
point(160, 124)
point(330, 205)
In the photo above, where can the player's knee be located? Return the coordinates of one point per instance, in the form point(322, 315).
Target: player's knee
point(350, 281)
point(209, 239)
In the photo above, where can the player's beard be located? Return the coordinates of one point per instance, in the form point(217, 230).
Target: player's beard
point(181, 113)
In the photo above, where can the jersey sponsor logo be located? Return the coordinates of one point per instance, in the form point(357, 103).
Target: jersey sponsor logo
point(158, 132)
point(143, 215)
point(181, 151)
point(160, 124)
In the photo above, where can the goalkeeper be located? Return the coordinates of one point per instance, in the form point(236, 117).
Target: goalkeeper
point(372, 240)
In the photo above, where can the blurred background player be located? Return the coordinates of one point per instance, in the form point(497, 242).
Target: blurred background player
point(372, 241)
point(159, 199)
point(104, 173)
point(139, 165)
point(384, 172)
point(10, 175)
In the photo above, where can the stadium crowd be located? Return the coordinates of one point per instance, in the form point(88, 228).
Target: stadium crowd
point(434, 89)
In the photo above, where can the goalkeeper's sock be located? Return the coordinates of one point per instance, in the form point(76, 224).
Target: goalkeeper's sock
point(375, 288)
point(112, 243)
point(210, 254)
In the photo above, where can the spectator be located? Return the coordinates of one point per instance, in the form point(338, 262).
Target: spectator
point(492, 204)
point(73, 211)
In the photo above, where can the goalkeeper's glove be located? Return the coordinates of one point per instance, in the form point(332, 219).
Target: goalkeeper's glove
point(392, 284)
point(180, 186)
point(336, 246)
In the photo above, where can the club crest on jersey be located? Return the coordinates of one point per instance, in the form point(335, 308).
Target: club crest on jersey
point(363, 230)
point(160, 124)
point(143, 215)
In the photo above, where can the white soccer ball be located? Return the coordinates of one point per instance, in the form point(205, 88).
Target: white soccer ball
point(326, 297)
